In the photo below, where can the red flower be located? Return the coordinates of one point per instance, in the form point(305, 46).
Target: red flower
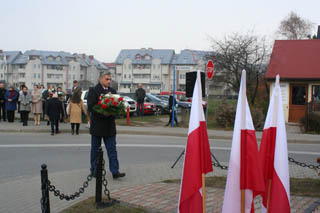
point(120, 99)
point(107, 100)
point(104, 106)
point(115, 103)
point(99, 103)
point(112, 98)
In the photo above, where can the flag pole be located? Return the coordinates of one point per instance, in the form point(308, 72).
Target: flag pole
point(204, 193)
point(243, 200)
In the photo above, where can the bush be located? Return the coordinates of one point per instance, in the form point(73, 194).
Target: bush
point(311, 123)
point(225, 114)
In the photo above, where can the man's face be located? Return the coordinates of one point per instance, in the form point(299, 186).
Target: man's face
point(1, 85)
point(75, 84)
point(105, 80)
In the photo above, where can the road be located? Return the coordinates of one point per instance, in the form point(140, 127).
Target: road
point(21, 154)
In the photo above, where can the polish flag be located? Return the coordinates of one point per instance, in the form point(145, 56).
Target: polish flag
point(197, 159)
point(244, 179)
point(274, 157)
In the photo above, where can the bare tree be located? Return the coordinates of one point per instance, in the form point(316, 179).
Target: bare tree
point(237, 52)
point(294, 27)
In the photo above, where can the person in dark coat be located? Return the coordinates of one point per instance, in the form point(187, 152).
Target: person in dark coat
point(3, 113)
point(25, 100)
point(140, 95)
point(11, 98)
point(170, 109)
point(103, 127)
point(54, 111)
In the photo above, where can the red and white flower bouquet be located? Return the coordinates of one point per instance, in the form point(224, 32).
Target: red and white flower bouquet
point(110, 104)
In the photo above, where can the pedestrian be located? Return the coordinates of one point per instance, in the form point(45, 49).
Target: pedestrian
point(43, 90)
point(76, 108)
point(19, 94)
point(46, 96)
point(36, 107)
point(25, 105)
point(76, 87)
point(54, 111)
point(62, 98)
point(103, 127)
point(3, 113)
point(170, 110)
point(11, 98)
point(140, 95)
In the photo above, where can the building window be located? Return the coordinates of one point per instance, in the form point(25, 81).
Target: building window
point(299, 95)
point(39, 76)
point(316, 92)
point(129, 76)
point(35, 66)
point(1, 75)
point(81, 77)
point(74, 77)
point(38, 66)
point(34, 75)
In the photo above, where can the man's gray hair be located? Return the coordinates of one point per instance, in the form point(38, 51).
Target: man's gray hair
point(104, 73)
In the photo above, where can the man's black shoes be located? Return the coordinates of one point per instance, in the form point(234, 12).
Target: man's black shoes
point(118, 175)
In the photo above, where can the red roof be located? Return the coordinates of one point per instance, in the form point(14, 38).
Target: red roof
point(295, 59)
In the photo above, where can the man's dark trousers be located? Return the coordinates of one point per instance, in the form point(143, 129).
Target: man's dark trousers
point(140, 108)
point(110, 143)
point(3, 113)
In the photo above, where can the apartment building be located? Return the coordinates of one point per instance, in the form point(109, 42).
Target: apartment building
point(154, 68)
point(35, 67)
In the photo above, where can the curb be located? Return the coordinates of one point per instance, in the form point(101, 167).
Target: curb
point(156, 133)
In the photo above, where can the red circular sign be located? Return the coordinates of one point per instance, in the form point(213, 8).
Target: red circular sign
point(210, 69)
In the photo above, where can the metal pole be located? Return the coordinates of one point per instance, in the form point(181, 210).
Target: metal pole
point(207, 96)
point(173, 97)
point(99, 175)
point(44, 188)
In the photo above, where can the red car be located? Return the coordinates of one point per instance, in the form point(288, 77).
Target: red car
point(148, 108)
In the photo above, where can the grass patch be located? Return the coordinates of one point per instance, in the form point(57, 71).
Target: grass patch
point(88, 206)
point(298, 186)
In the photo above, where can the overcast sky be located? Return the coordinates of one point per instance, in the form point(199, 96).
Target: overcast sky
point(102, 28)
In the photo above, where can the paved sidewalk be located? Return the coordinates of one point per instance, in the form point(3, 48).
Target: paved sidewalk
point(163, 197)
point(292, 137)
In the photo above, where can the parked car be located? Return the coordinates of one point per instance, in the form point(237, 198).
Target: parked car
point(84, 97)
point(162, 107)
point(148, 108)
point(131, 103)
point(183, 104)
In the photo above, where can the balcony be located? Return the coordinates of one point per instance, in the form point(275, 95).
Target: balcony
point(141, 71)
point(141, 80)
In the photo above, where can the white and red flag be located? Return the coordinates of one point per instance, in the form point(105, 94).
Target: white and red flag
point(197, 161)
point(244, 179)
point(274, 157)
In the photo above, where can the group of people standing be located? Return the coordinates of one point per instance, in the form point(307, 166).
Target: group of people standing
point(11, 100)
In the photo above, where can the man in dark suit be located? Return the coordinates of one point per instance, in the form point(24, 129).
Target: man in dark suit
point(3, 102)
point(103, 127)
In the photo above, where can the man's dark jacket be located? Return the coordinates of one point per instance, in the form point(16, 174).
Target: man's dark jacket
point(2, 92)
point(140, 95)
point(100, 125)
point(171, 102)
point(54, 109)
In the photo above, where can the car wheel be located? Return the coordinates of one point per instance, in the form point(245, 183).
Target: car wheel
point(158, 111)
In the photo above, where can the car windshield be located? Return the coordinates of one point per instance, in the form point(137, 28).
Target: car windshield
point(127, 98)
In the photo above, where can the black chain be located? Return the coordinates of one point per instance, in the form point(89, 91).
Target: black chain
point(63, 196)
point(105, 182)
point(217, 164)
point(310, 166)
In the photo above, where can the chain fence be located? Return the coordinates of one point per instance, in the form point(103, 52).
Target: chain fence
point(47, 186)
